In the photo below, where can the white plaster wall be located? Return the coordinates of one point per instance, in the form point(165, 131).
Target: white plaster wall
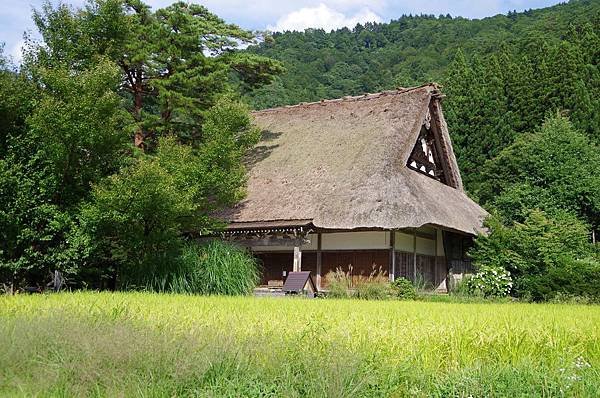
point(404, 242)
point(355, 240)
point(314, 243)
point(425, 246)
point(366, 240)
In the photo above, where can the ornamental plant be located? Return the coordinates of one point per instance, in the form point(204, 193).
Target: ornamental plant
point(404, 289)
point(490, 281)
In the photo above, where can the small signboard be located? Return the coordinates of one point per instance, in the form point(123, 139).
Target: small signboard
point(300, 283)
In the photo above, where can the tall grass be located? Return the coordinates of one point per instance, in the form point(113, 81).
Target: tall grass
point(142, 344)
point(217, 268)
point(343, 284)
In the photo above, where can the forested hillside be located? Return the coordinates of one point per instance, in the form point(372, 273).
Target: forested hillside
point(502, 75)
point(405, 52)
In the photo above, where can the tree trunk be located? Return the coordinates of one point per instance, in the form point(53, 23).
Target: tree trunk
point(138, 139)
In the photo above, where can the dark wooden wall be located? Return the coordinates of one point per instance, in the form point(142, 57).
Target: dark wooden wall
point(359, 263)
point(273, 264)
point(432, 273)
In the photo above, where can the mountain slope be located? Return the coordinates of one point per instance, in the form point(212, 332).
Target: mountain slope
point(405, 52)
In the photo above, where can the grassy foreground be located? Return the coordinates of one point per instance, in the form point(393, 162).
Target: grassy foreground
point(134, 344)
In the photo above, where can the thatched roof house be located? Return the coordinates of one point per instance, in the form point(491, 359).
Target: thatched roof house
point(378, 162)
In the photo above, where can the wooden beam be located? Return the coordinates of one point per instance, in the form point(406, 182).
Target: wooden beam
point(319, 261)
point(420, 234)
point(435, 258)
point(444, 145)
point(297, 267)
point(392, 271)
point(414, 256)
point(270, 241)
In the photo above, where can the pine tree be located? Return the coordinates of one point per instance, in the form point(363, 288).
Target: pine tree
point(175, 62)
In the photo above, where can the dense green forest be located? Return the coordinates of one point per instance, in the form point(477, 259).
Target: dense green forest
point(405, 52)
point(120, 133)
point(125, 128)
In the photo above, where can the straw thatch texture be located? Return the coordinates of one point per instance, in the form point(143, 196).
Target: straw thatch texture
point(342, 163)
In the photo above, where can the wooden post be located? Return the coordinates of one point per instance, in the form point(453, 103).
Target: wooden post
point(319, 261)
point(435, 262)
point(392, 271)
point(414, 255)
point(297, 259)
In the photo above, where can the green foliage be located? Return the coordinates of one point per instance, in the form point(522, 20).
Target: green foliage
point(215, 268)
point(52, 156)
point(489, 281)
point(175, 63)
point(138, 214)
point(220, 268)
point(135, 215)
point(457, 287)
point(75, 195)
point(341, 284)
point(572, 280)
point(501, 75)
point(532, 249)
point(404, 289)
point(338, 284)
point(556, 167)
point(409, 51)
point(376, 287)
point(80, 150)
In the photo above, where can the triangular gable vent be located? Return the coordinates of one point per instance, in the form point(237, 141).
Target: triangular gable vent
point(425, 158)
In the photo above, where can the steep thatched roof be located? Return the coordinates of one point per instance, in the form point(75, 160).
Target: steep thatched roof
point(342, 164)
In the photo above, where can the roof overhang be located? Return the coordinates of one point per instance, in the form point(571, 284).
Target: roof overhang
point(273, 226)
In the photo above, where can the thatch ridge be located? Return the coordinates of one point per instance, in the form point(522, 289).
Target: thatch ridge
point(362, 97)
point(342, 164)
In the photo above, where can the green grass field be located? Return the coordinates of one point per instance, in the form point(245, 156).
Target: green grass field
point(134, 344)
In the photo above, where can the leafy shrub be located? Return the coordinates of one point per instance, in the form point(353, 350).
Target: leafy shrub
point(374, 287)
point(529, 250)
point(404, 289)
point(489, 282)
point(377, 288)
point(339, 283)
point(217, 268)
point(459, 287)
point(573, 280)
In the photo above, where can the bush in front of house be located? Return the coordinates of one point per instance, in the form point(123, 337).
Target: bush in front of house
point(489, 281)
point(216, 268)
point(539, 253)
point(221, 268)
point(404, 289)
point(571, 281)
point(375, 287)
point(339, 284)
